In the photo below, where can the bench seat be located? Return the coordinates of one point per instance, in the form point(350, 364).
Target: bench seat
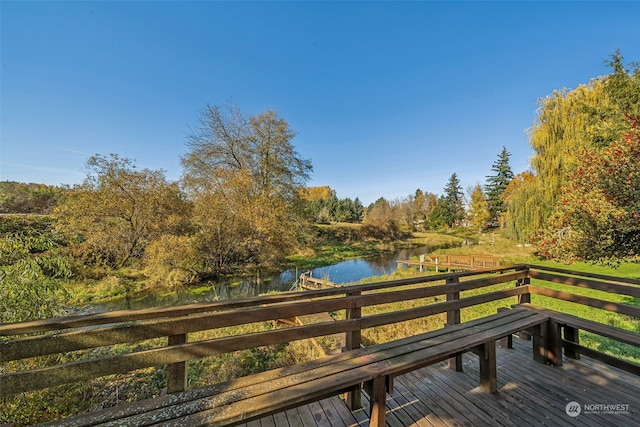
point(273, 391)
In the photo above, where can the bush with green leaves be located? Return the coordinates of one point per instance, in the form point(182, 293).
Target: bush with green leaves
point(32, 268)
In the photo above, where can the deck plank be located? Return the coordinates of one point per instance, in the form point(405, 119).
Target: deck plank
point(419, 386)
point(331, 413)
point(421, 415)
point(545, 394)
point(348, 418)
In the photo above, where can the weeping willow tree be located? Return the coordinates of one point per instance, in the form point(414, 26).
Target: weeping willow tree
point(569, 121)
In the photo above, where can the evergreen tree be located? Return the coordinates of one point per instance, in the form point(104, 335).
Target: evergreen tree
point(357, 211)
point(496, 184)
point(439, 215)
point(453, 211)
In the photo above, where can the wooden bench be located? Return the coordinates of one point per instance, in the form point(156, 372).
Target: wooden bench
point(258, 395)
point(566, 334)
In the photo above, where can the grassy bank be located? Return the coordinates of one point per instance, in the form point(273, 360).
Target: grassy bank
point(343, 241)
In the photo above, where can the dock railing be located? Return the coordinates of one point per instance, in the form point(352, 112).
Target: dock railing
point(452, 262)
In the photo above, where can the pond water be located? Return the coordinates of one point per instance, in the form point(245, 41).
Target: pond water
point(343, 272)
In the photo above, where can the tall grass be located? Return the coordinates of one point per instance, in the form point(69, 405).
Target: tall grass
point(30, 408)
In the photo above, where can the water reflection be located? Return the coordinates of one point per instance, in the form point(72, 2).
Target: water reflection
point(342, 272)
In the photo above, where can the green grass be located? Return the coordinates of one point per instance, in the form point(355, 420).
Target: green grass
point(328, 254)
point(30, 408)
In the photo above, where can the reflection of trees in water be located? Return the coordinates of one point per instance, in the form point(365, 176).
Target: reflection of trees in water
point(241, 287)
point(388, 262)
point(223, 291)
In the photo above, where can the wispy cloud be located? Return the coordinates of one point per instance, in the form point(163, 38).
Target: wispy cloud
point(71, 150)
point(40, 168)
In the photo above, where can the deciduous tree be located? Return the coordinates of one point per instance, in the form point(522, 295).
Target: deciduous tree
point(244, 177)
point(598, 218)
point(381, 220)
point(118, 210)
point(569, 121)
point(517, 198)
point(479, 209)
point(32, 268)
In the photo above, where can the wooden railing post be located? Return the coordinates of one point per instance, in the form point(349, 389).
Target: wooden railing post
point(453, 318)
point(524, 298)
point(572, 335)
point(353, 341)
point(177, 372)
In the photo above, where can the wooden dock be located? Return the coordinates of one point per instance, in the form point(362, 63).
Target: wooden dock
point(309, 283)
point(528, 394)
point(452, 262)
point(330, 344)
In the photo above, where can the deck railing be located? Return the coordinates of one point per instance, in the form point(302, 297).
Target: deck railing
point(453, 262)
point(177, 325)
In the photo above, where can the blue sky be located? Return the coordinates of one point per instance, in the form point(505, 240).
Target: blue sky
point(386, 97)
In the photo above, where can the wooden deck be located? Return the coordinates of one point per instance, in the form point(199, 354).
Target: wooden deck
point(528, 394)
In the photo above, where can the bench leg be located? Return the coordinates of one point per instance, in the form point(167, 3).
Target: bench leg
point(554, 349)
point(488, 369)
point(573, 335)
point(540, 342)
point(506, 342)
point(353, 340)
point(378, 399)
point(455, 363)
point(353, 399)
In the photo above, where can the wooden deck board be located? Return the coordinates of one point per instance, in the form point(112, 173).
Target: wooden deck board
point(484, 412)
point(528, 393)
point(529, 404)
point(331, 413)
point(521, 402)
point(545, 395)
point(431, 400)
point(419, 413)
point(348, 418)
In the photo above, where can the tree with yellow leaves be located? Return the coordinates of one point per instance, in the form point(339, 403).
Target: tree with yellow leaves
point(118, 210)
point(245, 178)
point(479, 209)
point(568, 122)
